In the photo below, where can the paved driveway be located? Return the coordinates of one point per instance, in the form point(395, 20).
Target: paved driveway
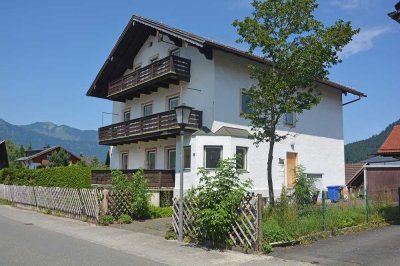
point(373, 247)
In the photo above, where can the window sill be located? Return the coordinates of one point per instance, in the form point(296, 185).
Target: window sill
point(243, 171)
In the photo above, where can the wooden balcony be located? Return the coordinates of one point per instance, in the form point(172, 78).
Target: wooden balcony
point(158, 126)
point(155, 178)
point(162, 73)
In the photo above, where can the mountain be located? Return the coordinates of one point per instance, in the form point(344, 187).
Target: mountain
point(361, 150)
point(41, 133)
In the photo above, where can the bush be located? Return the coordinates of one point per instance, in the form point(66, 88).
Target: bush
point(70, 176)
point(106, 220)
point(124, 219)
point(166, 198)
point(170, 234)
point(304, 187)
point(216, 199)
point(266, 248)
point(160, 212)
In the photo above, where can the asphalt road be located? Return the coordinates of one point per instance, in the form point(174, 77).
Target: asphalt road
point(373, 247)
point(26, 244)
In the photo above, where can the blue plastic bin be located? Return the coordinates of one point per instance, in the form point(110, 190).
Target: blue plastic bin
point(334, 193)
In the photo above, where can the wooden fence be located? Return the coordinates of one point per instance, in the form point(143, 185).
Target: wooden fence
point(246, 230)
point(75, 203)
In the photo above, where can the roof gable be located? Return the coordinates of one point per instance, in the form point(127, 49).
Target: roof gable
point(391, 146)
point(136, 33)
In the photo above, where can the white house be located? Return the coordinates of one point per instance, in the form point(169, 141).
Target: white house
point(154, 67)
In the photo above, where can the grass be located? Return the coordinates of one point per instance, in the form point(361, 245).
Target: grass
point(4, 202)
point(290, 222)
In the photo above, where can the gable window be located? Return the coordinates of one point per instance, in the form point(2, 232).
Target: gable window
point(147, 109)
point(245, 102)
point(127, 116)
point(186, 157)
point(175, 52)
point(241, 158)
point(151, 156)
point(290, 119)
point(171, 158)
point(124, 160)
point(212, 155)
point(173, 102)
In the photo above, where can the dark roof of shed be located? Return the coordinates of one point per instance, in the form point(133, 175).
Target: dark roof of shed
point(351, 169)
point(48, 150)
point(136, 32)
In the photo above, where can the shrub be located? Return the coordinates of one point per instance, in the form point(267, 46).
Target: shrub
point(216, 199)
point(266, 248)
point(166, 198)
point(60, 158)
point(141, 196)
point(124, 219)
point(304, 187)
point(170, 234)
point(160, 212)
point(106, 220)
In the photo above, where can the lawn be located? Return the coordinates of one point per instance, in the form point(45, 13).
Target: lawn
point(290, 221)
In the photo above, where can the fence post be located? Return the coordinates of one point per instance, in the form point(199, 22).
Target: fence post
point(82, 203)
point(260, 220)
point(324, 210)
point(104, 206)
point(34, 196)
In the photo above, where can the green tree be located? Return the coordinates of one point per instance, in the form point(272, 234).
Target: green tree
point(21, 151)
point(60, 158)
point(29, 147)
point(298, 50)
point(13, 154)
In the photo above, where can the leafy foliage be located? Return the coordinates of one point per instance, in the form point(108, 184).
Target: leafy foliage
point(106, 220)
point(299, 50)
point(304, 187)
point(137, 187)
point(71, 176)
point(216, 199)
point(13, 153)
point(124, 219)
point(160, 212)
point(60, 158)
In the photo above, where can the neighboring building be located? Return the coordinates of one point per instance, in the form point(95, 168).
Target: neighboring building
point(154, 67)
point(40, 158)
point(396, 14)
point(3, 155)
point(391, 146)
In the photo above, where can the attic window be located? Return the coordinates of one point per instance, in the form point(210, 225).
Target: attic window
point(150, 44)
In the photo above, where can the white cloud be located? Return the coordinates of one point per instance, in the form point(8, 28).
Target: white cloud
point(347, 4)
point(363, 41)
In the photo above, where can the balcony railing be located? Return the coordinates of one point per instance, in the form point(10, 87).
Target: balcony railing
point(155, 178)
point(146, 128)
point(170, 67)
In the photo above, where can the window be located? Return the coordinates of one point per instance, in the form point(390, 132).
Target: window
point(151, 159)
point(245, 102)
point(173, 102)
point(212, 156)
point(127, 116)
point(289, 119)
point(186, 157)
point(153, 59)
point(175, 52)
point(171, 158)
point(124, 160)
point(147, 109)
point(314, 176)
point(241, 158)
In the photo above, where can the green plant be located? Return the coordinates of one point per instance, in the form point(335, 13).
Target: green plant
point(166, 198)
point(215, 201)
point(106, 220)
point(119, 181)
point(60, 158)
point(4, 202)
point(266, 247)
point(170, 234)
point(47, 211)
point(160, 212)
point(124, 219)
point(304, 187)
point(141, 195)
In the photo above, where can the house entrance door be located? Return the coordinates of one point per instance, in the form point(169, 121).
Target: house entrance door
point(291, 163)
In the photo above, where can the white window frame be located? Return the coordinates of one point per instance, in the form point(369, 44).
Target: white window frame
point(245, 157)
point(169, 98)
point(145, 105)
point(293, 123)
point(124, 154)
point(169, 158)
point(190, 156)
point(205, 154)
point(124, 115)
point(242, 92)
point(148, 151)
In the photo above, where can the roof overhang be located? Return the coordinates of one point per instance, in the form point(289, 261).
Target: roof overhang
point(136, 33)
point(395, 15)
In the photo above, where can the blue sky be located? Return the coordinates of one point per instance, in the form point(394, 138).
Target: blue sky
point(50, 52)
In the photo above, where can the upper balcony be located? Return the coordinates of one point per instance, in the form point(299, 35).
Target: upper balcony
point(145, 80)
point(157, 126)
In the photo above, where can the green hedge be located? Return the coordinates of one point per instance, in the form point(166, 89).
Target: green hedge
point(69, 176)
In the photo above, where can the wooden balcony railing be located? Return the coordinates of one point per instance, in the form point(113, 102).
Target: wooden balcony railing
point(155, 178)
point(156, 125)
point(171, 66)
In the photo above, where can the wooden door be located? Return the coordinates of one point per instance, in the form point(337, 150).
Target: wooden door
point(291, 163)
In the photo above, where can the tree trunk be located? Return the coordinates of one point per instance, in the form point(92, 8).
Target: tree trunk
point(269, 165)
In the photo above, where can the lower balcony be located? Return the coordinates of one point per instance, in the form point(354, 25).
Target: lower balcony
point(158, 126)
point(156, 179)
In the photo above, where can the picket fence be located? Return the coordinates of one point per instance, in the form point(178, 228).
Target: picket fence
point(246, 229)
point(75, 203)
